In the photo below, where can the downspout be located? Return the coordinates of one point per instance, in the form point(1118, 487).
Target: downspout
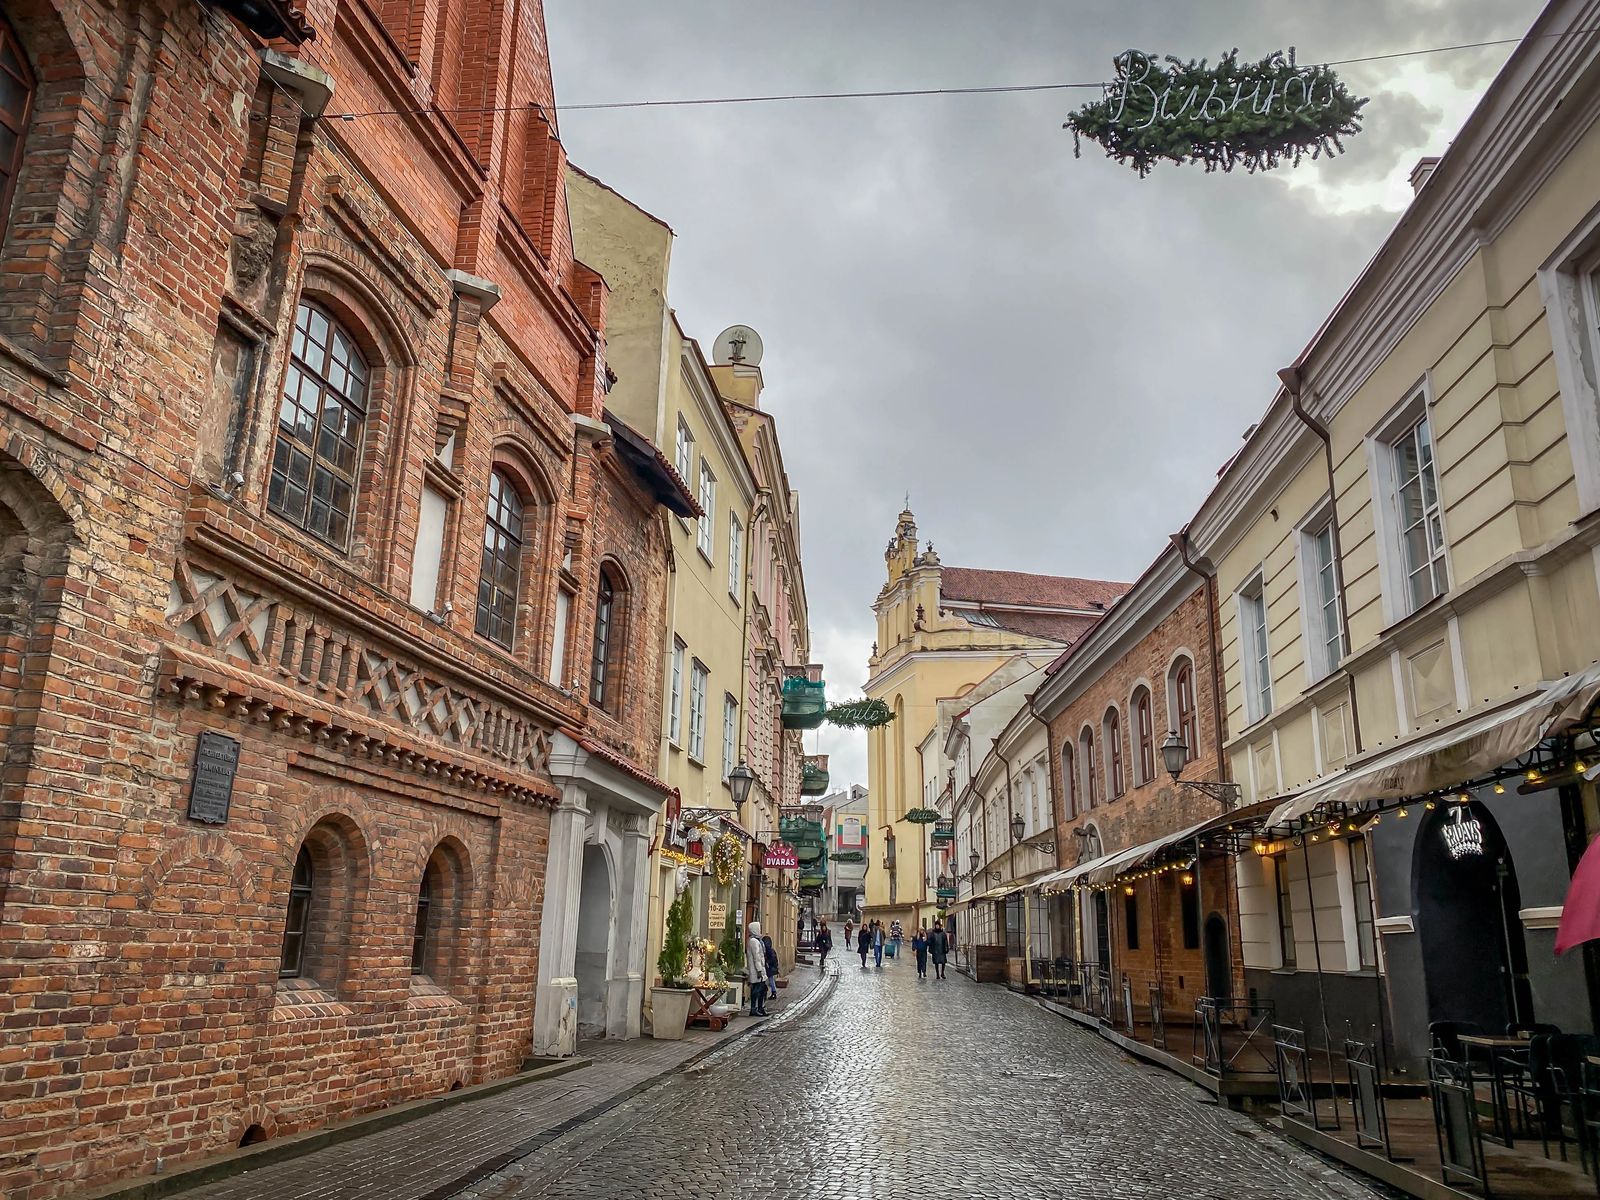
point(1180, 540)
point(1294, 384)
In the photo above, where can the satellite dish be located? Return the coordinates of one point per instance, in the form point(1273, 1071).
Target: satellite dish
point(737, 344)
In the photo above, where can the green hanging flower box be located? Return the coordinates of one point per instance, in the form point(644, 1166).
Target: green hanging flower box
point(813, 780)
point(804, 703)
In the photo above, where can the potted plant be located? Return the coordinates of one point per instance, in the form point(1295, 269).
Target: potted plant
point(669, 1006)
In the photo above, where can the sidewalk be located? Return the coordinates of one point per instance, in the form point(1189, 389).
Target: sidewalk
point(437, 1155)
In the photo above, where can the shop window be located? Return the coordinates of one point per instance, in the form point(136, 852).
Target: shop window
point(1286, 949)
point(1361, 885)
point(501, 570)
point(1189, 900)
point(1130, 915)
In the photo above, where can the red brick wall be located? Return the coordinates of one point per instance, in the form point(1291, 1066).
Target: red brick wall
point(1148, 809)
point(172, 210)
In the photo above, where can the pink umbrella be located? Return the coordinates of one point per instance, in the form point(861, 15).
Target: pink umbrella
point(1580, 918)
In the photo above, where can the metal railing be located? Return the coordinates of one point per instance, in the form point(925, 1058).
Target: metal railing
point(1367, 1108)
point(1246, 1051)
point(1455, 1122)
point(1128, 1024)
point(1158, 1018)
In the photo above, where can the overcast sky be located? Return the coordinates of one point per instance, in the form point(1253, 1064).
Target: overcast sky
point(1052, 356)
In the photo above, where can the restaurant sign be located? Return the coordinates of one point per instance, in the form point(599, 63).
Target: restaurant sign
point(780, 856)
point(1463, 835)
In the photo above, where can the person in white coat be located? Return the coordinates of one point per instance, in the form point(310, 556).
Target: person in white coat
point(755, 966)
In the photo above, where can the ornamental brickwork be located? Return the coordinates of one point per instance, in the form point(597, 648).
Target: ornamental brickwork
point(258, 367)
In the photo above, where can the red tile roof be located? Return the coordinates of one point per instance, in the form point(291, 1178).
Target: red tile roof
point(1019, 587)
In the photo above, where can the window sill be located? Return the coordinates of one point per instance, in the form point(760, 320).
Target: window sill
point(304, 1000)
point(701, 550)
point(425, 993)
point(697, 760)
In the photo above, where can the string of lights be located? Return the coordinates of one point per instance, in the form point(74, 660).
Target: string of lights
point(901, 93)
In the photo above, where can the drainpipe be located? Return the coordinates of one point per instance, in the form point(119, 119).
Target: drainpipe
point(1181, 541)
point(1294, 384)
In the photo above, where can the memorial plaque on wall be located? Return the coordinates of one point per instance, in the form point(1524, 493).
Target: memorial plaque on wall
point(216, 759)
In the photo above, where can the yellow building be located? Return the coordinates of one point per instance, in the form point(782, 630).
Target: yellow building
point(941, 630)
point(664, 389)
point(1406, 564)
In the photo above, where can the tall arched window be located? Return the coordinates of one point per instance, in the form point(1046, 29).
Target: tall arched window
point(1069, 783)
point(320, 420)
point(1145, 734)
point(16, 103)
point(1116, 782)
point(502, 562)
point(422, 932)
point(297, 920)
point(1181, 702)
point(1091, 777)
point(605, 668)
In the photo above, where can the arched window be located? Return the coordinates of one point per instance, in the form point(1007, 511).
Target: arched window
point(1111, 727)
point(502, 562)
point(297, 920)
point(1069, 783)
point(320, 421)
point(1091, 777)
point(1180, 702)
point(16, 103)
point(1145, 734)
point(605, 668)
point(421, 934)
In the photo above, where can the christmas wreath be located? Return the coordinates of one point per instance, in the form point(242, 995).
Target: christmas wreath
point(1255, 114)
point(858, 714)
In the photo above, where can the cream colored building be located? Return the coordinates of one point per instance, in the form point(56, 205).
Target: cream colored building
point(665, 390)
point(1406, 559)
point(941, 631)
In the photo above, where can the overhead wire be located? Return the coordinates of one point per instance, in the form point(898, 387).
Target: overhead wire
point(894, 93)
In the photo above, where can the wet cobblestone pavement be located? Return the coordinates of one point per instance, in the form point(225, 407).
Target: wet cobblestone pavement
point(886, 1088)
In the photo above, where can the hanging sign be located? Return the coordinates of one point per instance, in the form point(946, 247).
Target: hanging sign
point(1253, 114)
point(1463, 834)
point(216, 759)
point(780, 856)
point(850, 832)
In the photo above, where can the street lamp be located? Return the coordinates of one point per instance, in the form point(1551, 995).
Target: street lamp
point(1174, 756)
point(1018, 827)
point(739, 781)
point(975, 861)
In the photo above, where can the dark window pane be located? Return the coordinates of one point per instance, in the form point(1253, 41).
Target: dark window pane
point(297, 917)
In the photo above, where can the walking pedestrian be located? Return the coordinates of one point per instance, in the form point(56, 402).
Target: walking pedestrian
point(848, 926)
point(755, 965)
point(772, 969)
point(877, 945)
point(864, 944)
point(824, 943)
point(919, 946)
point(938, 948)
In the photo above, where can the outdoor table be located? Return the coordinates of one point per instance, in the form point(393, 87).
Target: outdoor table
point(1491, 1043)
point(704, 998)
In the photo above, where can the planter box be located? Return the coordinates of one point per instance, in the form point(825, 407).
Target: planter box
point(669, 1009)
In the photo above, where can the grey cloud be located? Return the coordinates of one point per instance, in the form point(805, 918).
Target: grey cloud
point(1051, 355)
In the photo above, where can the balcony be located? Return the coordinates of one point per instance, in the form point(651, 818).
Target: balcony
point(804, 702)
point(814, 775)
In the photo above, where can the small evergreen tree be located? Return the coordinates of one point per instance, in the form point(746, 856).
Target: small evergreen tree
point(673, 962)
point(732, 948)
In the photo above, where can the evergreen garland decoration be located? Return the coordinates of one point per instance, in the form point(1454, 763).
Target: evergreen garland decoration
point(673, 961)
point(1254, 114)
point(727, 856)
point(858, 714)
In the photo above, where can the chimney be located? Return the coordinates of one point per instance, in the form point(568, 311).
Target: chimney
point(1422, 172)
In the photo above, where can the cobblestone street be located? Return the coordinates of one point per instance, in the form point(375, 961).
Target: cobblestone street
point(887, 1088)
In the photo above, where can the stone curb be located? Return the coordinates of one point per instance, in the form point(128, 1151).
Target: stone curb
point(236, 1162)
point(542, 1139)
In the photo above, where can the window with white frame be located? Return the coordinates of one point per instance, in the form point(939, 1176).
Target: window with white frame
point(1254, 653)
point(1280, 875)
point(708, 500)
point(1320, 583)
point(1418, 515)
point(1361, 885)
point(685, 459)
point(735, 559)
point(675, 713)
point(698, 677)
point(730, 733)
point(1069, 784)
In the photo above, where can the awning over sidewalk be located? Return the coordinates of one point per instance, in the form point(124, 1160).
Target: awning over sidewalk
point(1108, 866)
point(1454, 755)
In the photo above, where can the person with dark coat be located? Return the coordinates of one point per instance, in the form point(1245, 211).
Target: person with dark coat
point(772, 966)
point(823, 941)
point(919, 946)
point(864, 944)
point(938, 948)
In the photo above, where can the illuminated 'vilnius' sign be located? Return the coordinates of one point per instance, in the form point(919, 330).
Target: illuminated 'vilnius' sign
point(1251, 114)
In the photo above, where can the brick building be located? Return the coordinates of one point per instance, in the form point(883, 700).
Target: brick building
point(1110, 701)
point(306, 484)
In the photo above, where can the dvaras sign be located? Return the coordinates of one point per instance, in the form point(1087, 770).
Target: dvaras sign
point(1253, 114)
point(781, 856)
